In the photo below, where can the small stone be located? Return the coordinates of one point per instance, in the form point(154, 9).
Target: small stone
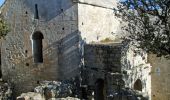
point(21, 98)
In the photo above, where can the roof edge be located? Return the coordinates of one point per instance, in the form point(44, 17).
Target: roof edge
point(3, 4)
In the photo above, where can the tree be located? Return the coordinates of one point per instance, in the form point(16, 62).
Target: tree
point(148, 23)
point(3, 27)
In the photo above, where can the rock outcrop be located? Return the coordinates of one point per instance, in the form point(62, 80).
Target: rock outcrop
point(5, 91)
point(31, 96)
point(51, 90)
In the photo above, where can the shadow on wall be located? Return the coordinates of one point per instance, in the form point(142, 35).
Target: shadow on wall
point(69, 55)
point(60, 61)
point(49, 9)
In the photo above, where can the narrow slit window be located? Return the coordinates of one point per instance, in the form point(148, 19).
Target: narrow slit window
point(36, 16)
point(37, 46)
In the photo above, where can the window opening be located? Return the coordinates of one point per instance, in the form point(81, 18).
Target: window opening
point(37, 46)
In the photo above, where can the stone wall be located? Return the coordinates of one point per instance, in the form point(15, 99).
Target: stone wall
point(69, 56)
point(136, 69)
point(101, 23)
point(160, 77)
point(58, 23)
point(122, 65)
point(101, 58)
point(64, 23)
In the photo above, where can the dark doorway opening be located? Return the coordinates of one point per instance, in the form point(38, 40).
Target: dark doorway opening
point(99, 90)
point(138, 85)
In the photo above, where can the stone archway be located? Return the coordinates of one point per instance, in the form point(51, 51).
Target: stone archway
point(138, 85)
point(99, 89)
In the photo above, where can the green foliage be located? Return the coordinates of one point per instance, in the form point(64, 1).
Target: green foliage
point(3, 28)
point(148, 23)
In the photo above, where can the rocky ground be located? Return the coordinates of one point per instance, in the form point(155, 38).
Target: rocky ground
point(65, 90)
point(51, 90)
point(5, 91)
point(47, 90)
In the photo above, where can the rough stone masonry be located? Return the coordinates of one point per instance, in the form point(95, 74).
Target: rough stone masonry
point(59, 35)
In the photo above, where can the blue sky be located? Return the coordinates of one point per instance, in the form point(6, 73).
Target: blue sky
point(1, 2)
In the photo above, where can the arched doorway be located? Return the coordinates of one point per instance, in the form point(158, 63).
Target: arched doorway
point(138, 85)
point(99, 90)
point(37, 46)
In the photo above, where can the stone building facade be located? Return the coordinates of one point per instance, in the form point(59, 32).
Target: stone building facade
point(58, 23)
point(51, 40)
point(122, 65)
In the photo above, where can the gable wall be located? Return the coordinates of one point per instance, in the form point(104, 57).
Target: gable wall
point(58, 23)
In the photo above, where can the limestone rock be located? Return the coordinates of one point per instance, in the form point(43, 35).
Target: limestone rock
point(5, 91)
point(68, 98)
point(51, 90)
point(54, 89)
point(30, 96)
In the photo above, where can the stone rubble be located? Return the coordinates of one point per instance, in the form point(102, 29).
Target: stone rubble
point(31, 96)
point(128, 94)
point(5, 91)
point(54, 89)
point(67, 98)
point(38, 96)
point(51, 90)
